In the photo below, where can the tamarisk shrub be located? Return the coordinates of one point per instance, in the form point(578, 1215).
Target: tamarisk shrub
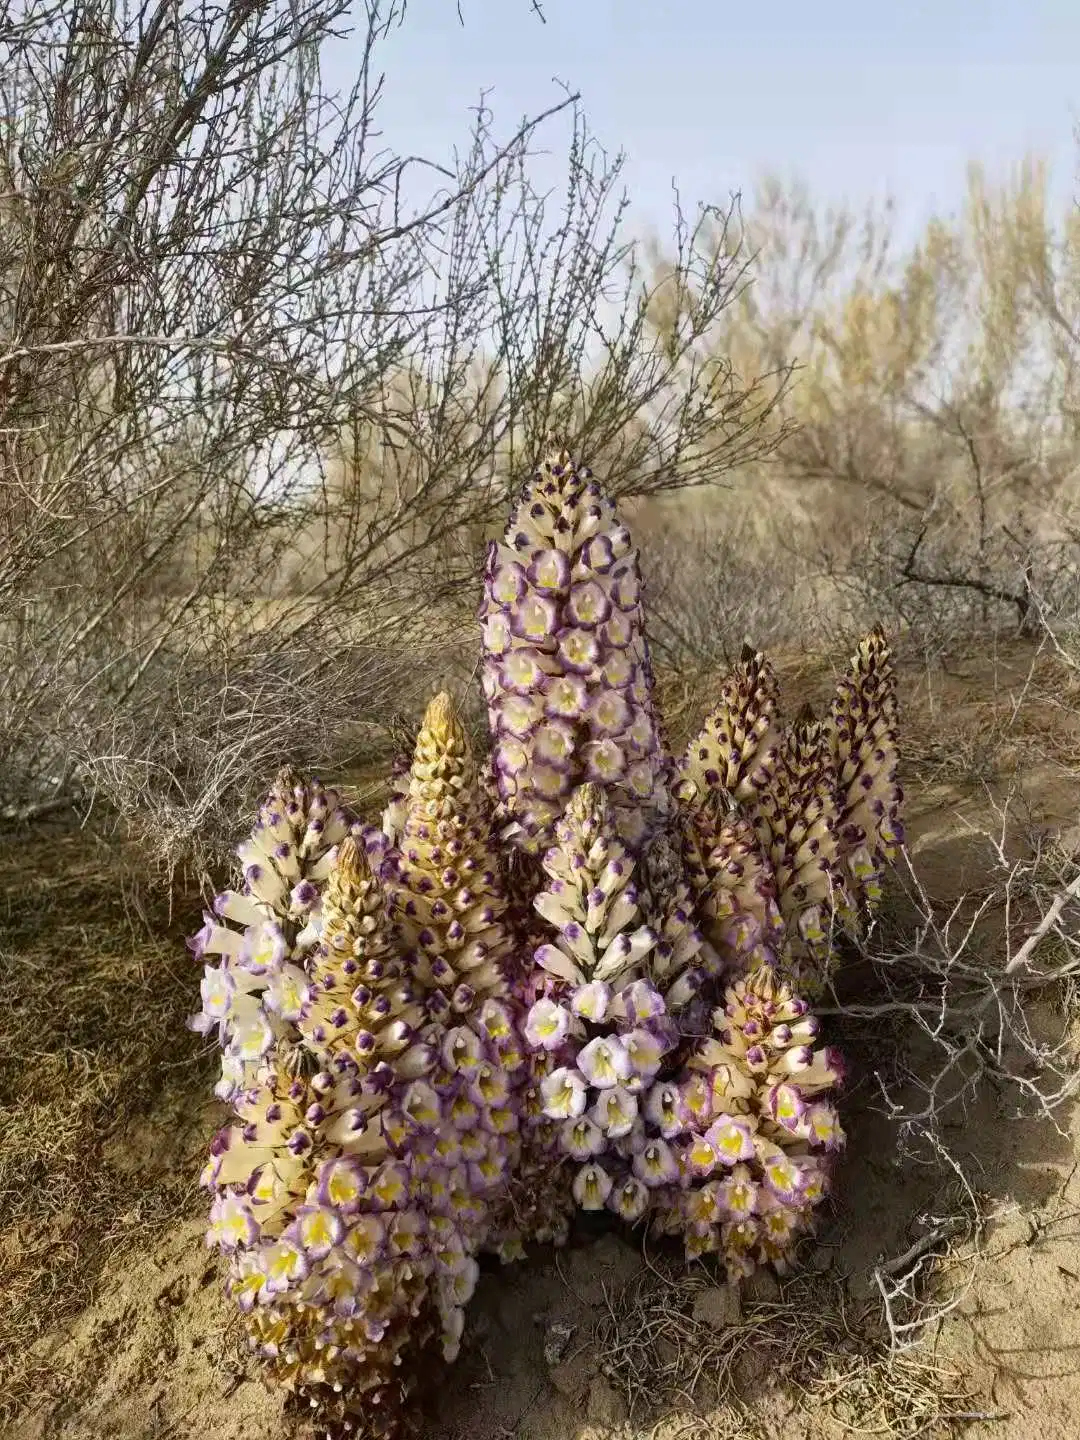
point(566, 975)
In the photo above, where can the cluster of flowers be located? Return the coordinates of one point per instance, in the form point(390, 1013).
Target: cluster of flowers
point(369, 1057)
point(569, 976)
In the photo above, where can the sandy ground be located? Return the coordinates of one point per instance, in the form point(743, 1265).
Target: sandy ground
point(601, 1342)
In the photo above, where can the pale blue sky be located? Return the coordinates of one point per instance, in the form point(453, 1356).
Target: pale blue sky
point(856, 98)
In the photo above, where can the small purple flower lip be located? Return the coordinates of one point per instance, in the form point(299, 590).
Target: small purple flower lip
point(620, 671)
point(627, 589)
point(643, 1002)
point(299, 1142)
point(618, 632)
point(507, 582)
point(605, 761)
point(578, 651)
point(655, 1164)
point(546, 1025)
point(463, 999)
point(598, 554)
point(564, 1093)
point(835, 1062)
point(645, 1048)
point(592, 1001)
point(609, 712)
point(550, 571)
point(534, 618)
point(588, 604)
point(197, 943)
point(520, 672)
point(221, 1141)
point(592, 1186)
point(664, 1109)
point(437, 1005)
point(605, 1062)
point(581, 1138)
point(379, 1080)
point(731, 1139)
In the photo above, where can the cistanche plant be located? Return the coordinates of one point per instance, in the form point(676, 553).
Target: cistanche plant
point(569, 975)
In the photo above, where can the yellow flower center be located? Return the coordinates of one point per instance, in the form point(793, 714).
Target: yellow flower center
point(235, 1227)
point(535, 620)
point(547, 573)
point(317, 1230)
point(549, 783)
point(343, 1189)
point(284, 1262)
point(606, 760)
point(522, 669)
point(505, 588)
point(389, 1190)
point(702, 1154)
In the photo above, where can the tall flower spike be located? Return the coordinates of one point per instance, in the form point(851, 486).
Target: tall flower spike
point(445, 879)
point(323, 1240)
point(566, 671)
point(862, 734)
point(750, 1130)
point(263, 932)
point(538, 1204)
point(682, 948)
point(734, 886)
point(353, 1202)
point(397, 803)
point(736, 751)
point(452, 913)
point(359, 1000)
point(796, 823)
point(615, 991)
point(591, 902)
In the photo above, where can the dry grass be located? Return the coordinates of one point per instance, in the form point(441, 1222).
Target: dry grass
point(102, 1091)
point(974, 722)
point(812, 1340)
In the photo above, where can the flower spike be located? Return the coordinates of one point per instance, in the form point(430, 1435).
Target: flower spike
point(567, 674)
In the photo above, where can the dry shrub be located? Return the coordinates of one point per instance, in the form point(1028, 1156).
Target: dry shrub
point(250, 448)
point(826, 1353)
point(929, 474)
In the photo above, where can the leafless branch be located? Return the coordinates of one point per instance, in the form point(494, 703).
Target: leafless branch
point(265, 386)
